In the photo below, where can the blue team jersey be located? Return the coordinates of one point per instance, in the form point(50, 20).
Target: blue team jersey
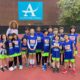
point(46, 44)
point(73, 37)
point(68, 46)
point(51, 35)
point(26, 36)
point(17, 45)
point(39, 40)
point(24, 45)
point(61, 37)
point(55, 43)
point(10, 47)
point(32, 41)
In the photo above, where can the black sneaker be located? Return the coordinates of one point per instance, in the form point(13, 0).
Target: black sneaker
point(57, 70)
point(54, 69)
point(5, 67)
point(2, 69)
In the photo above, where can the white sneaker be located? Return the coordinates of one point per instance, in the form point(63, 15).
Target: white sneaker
point(20, 67)
point(15, 67)
point(11, 69)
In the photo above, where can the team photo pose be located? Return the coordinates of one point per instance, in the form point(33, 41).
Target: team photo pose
point(69, 57)
point(32, 43)
point(46, 50)
point(39, 45)
point(56, 46)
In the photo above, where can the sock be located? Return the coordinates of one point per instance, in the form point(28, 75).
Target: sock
point(33, 61)
point(27, 61)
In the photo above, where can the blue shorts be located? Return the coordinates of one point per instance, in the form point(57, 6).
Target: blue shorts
point(56, 54)
point(31, 51)
point(68, 55)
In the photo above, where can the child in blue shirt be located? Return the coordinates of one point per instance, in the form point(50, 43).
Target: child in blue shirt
point(73, 36)
point(46, 49)
point(61, 34)
point(10, 51)
point(32, 43)
point(17, 51)
point(39, 45)
point(24, 51)
point(68, 54)
point(56, 46)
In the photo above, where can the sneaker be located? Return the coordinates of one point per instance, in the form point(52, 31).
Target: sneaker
point(65, 71)
point(11, 69)
point(57, 70)
point(20, 67)
point(2, 69)
point(43, 68)
point(5, 67)
point(54, 69)
point(15, 67)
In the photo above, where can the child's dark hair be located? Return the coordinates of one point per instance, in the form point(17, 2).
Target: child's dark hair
point(23, 39)
point(26, 28)
point(73, 27)
point(45, 30)
point(2, 36)
point(9, 36)
point(15, 35)
point(57, 36)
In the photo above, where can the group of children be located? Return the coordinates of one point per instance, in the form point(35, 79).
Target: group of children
point(50, 47)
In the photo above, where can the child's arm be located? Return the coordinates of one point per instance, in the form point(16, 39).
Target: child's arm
point(28, 44)
point(35, 45)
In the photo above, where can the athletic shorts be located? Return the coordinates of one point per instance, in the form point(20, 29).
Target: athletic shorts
point(45, 54)
point(56, 56)
point(68, 56)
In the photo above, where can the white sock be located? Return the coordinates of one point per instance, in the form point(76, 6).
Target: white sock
point(33, 61)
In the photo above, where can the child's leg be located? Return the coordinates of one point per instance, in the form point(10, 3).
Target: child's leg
point(57, 64)
point(11, 64)
point(42, 60)
point(34, 58)
point(1, 65)
point(45, 59)
point(66, 64)
point(5, 64)
point(20, 60)
point(53, 63)
point(30, 58)
point(62, 58)
point(73, 65)
point(15, 61)
point(27, 59)
point(37, 58)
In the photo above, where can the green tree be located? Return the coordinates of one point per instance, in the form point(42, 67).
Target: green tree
point(69, 12)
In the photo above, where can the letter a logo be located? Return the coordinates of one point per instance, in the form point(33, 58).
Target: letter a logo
point(29, 10)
